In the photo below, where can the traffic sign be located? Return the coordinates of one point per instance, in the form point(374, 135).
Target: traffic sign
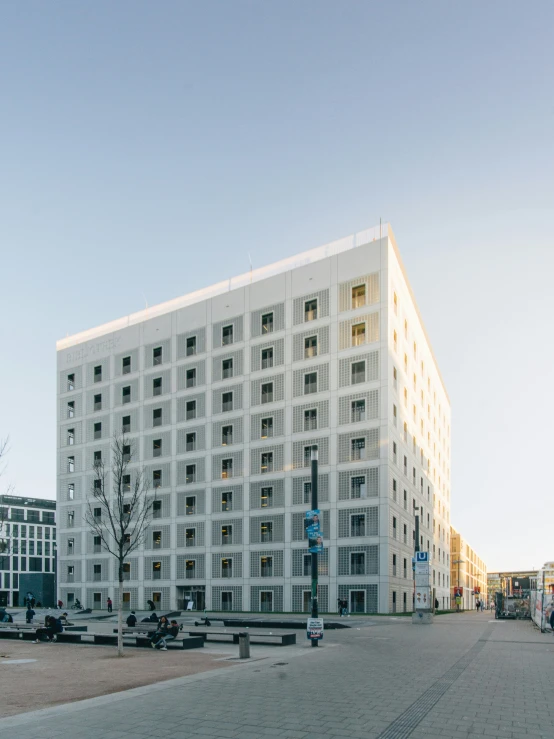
point(422, 557)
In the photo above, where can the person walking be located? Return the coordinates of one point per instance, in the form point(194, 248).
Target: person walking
point(29, 614)
point(477, 603)
point(552, 618)
point(110, 605)
point(131, 619)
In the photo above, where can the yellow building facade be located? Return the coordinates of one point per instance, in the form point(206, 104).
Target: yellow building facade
point(467, 571)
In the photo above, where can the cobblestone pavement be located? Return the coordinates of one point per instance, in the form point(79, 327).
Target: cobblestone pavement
point(464, 676)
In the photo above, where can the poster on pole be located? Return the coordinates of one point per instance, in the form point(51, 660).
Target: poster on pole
point(312, 520)
point(423, 597)
point(315, 628)
point(315, 541)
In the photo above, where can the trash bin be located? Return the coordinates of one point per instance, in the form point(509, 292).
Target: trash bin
point(244, 645)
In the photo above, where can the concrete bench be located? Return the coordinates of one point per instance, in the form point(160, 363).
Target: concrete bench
point(282, 640)
point(180, 642)
point(139, 629)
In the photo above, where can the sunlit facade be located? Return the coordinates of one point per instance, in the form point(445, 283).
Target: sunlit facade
point(468, 571)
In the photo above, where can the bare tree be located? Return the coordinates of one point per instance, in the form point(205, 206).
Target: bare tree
point(120, 514)
point(4, 540)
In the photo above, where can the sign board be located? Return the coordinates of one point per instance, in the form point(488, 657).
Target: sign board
point(315, 628)
point(421, 579)
point(423, 597)
point(458, 591)
point(421, 568)
point(421, 557)
point(458, 600)
point(312, 520)
point(315, 541)
point(476, 590)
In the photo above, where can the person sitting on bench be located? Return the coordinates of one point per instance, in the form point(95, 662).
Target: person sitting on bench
point(171, 634)
point(163, 626)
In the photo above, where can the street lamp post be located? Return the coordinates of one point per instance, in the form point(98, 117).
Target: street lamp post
point(315, 609)
point(458, 562)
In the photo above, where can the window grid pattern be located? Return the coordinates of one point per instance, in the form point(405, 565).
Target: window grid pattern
point(298, 343)
point(91, 602)
point(105, 431)
point(277, 494)
point(166, 448)
point(372, 294)
point(105, 393)
point(299, 420)
point(322, 379)
point(371, 521)
point(217, 497)
point(299, 533)
point(199, 538)
point(371, 360)
point(133, 421)
point(64, 564)
point(298, 560)
point(370, 564)
point(217, 431)
point(277, 563)
point(200, 410)
point(77, 401)
point(322, 306)
point(105, 570)
point(278, 416)
point(278, 311)
point(118, 359)
point(104, 373)
point(118, 393)
point(299, 458)
point(299, 600)
point(278, 389)
point(65, 462)
point(76, 435)
point(164, 468)
point(165, 572)
point(199, 572)
point(278, 346)
point(277, 529)
point(132, 601)
point(77, 379)
point(199, 374)
point(217, 568)
point(165, 346)
point(256, 598)
point(199, 333)
point(348, 415)
point(217, 365)
point(149, 594)
point(200, 441)
point(350, 491)
point(165, 501)
point(370, 451)
point(237, 465)
point(148, 383)
point(199, 504)
point(104, 450)
point(238, 335)
point(278, 460)
point(217, 597)
point(199, 463)
point(236, 523)
point(165, 541)
point(370, 595)
point(299, 486)
point(371, 321)
point(65, 494)
point(217, 398)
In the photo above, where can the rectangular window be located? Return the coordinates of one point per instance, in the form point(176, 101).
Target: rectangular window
point(191, 377)
point(70, 382)
point(126, 366)
point(126, 394)
point(97, 430)
point(310, 419)
point(358, 296)
point(266, 498)
point(157, 448)
point(310, 310)
point(71, 464)
point(308, 493)
point(357, 563)
point(358, 410)
point(126, 452)
point(227, 368)
point(98, 373)
point(97, 573)
point(157, 386)
point(190, 441)
point(227, 501)
point(358, 373)
point(71, 409)
point(394, 565)
point(267, 462)
point(156, 570)
point(157, 356)
point(267, 392)
point(310, 383)
point(157, 417)
point(97, 544)
point(267, 358)
point(70, 519)
point(357, 525)
point(226, 468)
point(358, 334)
point(190, 537)
point(97, 458)
point(357, 487)
point(357, 449)
point(157, 509)
point(190, 505)
point(266, 531)
point(266, 566)
point(126, 570)
point(157, 479)
point(126, 424)
point(227, 335)
point(71, 491)
point(191, 346)
point(267, 428)
point(156, 540)
point(227, 402)
point(226, 435)
point(226, 534)
point(190, 473)
point(70, 437)
point(267, 323)
point(307, 565)
point(310, 347)
point(226, 567)
point(98, 402)
point(308, 456)
point(70, 573)
point(394, 527)
point(190, 410)
point(190, 568)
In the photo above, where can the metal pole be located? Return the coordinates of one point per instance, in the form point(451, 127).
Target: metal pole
point(315, 612)
point(543, 629)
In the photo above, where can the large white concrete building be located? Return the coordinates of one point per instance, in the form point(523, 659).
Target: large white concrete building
point(225, 390)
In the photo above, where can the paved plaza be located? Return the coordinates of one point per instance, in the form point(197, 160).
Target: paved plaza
point(465, 676)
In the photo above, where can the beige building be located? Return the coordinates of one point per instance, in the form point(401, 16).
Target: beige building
point(467, 570)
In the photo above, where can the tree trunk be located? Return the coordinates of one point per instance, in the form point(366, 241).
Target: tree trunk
point(120, 614)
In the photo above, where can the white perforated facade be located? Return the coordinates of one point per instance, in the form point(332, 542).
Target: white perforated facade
point(224, 391)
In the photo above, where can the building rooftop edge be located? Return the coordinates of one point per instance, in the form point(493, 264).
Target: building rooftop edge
point(26, 500)
point(284, 265)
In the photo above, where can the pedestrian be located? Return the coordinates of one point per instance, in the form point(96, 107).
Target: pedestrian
point(161, 630)
point(436, 604)
point(131, 620)
point(477, 606)
point(33, 601)
point(150, 604)
point(60, 605)
point(552, 618)
point(29, 614)
point(110, 605)
point(482, 606)
point(172, 633)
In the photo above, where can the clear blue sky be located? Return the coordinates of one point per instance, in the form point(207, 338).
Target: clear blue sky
point(147, 148)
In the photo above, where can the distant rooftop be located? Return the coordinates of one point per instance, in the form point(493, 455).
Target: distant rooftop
point(255, 275)
point(17, 500)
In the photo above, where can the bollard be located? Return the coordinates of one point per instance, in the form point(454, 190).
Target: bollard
point(244, 646)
